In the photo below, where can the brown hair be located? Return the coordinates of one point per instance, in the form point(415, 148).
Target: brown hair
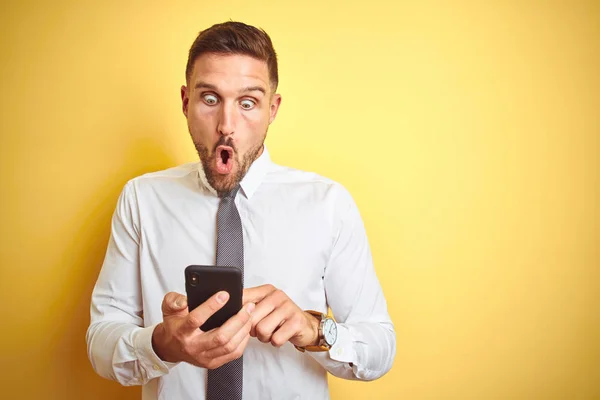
point(235, 38)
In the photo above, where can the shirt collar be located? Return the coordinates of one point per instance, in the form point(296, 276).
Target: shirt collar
point(251, 181)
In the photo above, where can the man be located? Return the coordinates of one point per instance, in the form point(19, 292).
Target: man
point(302, 243)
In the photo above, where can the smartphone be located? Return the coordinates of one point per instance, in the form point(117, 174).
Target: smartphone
point(203, 281)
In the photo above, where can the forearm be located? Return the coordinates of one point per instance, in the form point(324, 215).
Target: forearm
point(123, 352)
point(363, 351)
point(366, 344)
point(119, 348)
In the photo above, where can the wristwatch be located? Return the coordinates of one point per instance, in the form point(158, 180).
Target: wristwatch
point(327, 333)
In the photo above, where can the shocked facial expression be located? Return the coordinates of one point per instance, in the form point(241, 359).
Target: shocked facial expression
point(229, 104)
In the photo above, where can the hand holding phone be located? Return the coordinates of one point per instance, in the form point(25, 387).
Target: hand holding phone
point(178, 338)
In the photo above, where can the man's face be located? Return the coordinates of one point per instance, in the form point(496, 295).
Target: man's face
point(229, 105)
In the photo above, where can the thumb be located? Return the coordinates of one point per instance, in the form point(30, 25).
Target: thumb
point(173, 303)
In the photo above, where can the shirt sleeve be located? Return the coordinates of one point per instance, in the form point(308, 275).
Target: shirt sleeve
point(119, 347)
point(366, 342)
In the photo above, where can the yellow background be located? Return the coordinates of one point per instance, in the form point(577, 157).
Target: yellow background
point(468, 133)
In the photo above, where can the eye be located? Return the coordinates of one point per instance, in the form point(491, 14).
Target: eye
point(210, 99)
point(247, 104)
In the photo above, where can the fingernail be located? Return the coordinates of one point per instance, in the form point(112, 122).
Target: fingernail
point(180, 302)
point(250, 307)
point(222, 297)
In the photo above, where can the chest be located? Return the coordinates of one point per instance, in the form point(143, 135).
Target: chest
point(286, 244)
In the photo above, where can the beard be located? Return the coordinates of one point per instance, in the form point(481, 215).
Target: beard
point(223, 184)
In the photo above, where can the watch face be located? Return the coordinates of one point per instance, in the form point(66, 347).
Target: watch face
point(329, 331)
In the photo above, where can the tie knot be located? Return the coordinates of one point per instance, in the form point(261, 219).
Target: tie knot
point(231, 195)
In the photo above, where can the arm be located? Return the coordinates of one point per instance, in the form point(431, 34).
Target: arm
point(119, 348)
point(366, 343)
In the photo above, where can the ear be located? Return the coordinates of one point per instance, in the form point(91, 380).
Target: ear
point(185, 99)
point(275, 103)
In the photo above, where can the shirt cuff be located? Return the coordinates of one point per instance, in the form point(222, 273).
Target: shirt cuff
point(343, 349)
point(151, 362)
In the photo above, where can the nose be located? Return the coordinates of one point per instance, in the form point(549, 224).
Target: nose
point(227, 117)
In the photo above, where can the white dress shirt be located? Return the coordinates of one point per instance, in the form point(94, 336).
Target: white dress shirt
point(302, 233)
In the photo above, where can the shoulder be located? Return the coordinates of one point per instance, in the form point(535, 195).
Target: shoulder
point(175, 181)
point(310, 183)
point(171, 175)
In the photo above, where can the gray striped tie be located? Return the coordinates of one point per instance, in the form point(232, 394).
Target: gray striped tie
point(226, 382)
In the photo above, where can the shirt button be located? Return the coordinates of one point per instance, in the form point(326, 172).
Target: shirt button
point(340, 351)
point(156, 367)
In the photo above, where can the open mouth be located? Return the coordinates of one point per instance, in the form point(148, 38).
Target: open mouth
point(224, 159)
point(225, 156)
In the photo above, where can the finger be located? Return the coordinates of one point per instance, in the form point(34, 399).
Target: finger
point(285, 332)
point(233, 343)
point(198, 316)
point(256, 294)
point(265, 307)
point(265, 328)
point(221, 336)
point(262, 310)
point(173, 303)
point(219, 361)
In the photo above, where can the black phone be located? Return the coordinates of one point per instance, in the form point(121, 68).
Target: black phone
point(203, 281)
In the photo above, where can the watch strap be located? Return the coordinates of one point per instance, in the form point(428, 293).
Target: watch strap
point(322, 346)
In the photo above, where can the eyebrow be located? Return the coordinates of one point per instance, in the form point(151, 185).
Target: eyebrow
point(204, 85)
